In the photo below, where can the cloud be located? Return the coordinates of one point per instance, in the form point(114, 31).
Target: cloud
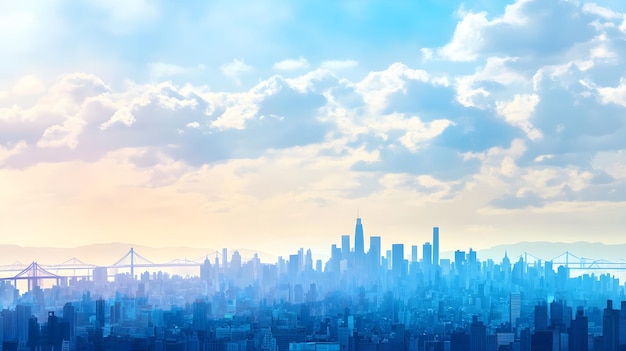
point(291, 64)
point(519, 111)
point(337, 65)
point(28, 85)
point(519, 31)
point(467, 40)
point(235, 68)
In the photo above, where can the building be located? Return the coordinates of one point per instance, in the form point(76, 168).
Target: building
point(436, 246)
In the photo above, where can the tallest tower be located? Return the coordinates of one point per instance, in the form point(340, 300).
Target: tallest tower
point(436, 246)
point(359, 249)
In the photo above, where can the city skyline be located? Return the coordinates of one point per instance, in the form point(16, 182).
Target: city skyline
point(267, 125)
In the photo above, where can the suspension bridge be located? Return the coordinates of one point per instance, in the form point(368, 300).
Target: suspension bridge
point(35, 272)
point(574, 262)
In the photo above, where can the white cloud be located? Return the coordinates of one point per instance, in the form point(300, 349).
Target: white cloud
point(28, 85)
point(377, 86)
point(291, 64)
point(615, 95)
point(337, 65)
point(467, 40)
point(595, 9)
point(235, 68)
point(519, 111)
point(6, 152)
point(470, 90)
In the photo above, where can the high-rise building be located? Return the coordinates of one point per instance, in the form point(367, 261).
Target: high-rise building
point(374, 252)
point(515, 308)
point(359, 245)
point(541, 316)
point(100, 310)
point(414, 253)
point(397, 259)
point(610, 328)
point(436, 246)
point(478, 335)
point(427, 254)
point(345, 247)
point(224, 259)
point(622, 325)
point(578, 333)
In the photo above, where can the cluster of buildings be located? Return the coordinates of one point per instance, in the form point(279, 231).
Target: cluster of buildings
point(357, 300)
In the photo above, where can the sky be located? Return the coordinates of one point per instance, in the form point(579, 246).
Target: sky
point(270, 125)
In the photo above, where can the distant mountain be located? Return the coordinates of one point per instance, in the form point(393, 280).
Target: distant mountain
point(107, 254)
point(550, 250)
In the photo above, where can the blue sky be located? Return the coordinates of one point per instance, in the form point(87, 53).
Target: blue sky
point(269, 124)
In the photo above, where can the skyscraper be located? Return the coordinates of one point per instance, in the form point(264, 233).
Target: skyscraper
point(610, 328)
point(436, 246)
point(397, 259)
point(427, 252)
point(374, 253)
point(515, 308)
point(359, 246)
point(345, 247)
point(578, 333)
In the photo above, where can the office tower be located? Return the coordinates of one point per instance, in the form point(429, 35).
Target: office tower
point(54, 332)
point(23, 314)
point(308, 261)
point(436, 246)
point(374, 251)
point(100, 312)
point(427, 254)
point(610, 328)
point(345, 247)
point(560, 315)
point(541, 316)
point(414, 253)
point(301, 259)
point(478, 335)
point(397, 259)
point(200, 314)
point(622, 326)
point(224, 259)
point(235, 262)
point(459, 261)
point(515, 308)
point(359, 249)
point(578, 333)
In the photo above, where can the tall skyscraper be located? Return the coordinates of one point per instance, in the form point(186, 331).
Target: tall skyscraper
point(374, 253)
point(345, 247)
point(436, 246)
point(610, 328)
point(359, 245)
point(541, 316)
point(578, 333)
point(515, 308)
point(397, 259)
point(414, 253)
point(478, 335)
point(427, 252)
